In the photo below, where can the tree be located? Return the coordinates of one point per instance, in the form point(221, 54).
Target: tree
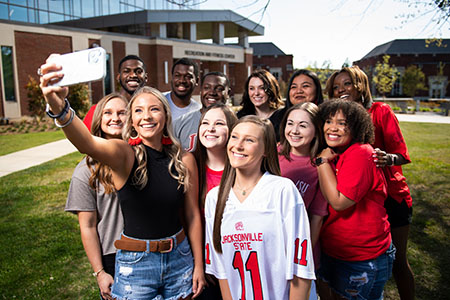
point(323, 72)
point(384, 76)
point(413, 80)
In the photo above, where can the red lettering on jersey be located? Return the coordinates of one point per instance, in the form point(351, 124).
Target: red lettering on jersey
point(191, 142)
point(239, 226)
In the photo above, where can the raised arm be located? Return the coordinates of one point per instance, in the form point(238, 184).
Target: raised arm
point(115, 153)
point(194, 226)
point(328, 183)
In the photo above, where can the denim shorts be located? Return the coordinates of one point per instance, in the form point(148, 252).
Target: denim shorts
point(154, 275)
point(358, 279)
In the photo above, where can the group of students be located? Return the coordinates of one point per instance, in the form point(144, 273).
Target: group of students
point(262, 205)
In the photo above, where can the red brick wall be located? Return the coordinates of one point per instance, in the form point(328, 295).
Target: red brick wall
point(238, 75)
point(31, 51)
point(154, 57)
point(97, 86)
point(267, 61)
point(118, 54)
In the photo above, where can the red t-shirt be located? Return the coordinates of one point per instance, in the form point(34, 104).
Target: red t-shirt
point(361, 231)
point(212, 178)
point(389, 138)
point(89, 116)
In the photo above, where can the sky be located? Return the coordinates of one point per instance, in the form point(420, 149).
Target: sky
point(319, 31)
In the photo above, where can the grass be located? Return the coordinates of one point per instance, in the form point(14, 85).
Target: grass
point(16, 142)
point(41, 255)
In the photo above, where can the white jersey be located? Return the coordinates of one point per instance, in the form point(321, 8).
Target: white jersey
point(265, 240)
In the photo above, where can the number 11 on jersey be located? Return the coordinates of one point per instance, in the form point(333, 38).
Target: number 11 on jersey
point(251, 266)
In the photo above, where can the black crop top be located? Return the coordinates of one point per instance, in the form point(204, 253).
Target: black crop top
point(154, 211)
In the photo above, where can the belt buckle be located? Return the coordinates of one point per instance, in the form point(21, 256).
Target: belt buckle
point(170, 249)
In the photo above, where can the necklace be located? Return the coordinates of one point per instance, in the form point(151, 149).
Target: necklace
point(243, 190)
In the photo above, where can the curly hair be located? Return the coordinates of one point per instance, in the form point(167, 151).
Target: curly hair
point(271, 88)
point(101, 173)
point(360, 82)
point(173, 150)
point(357, 119)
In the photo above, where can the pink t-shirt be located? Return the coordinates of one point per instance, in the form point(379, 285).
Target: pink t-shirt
point(362, 231)
point(212, 178)
point(304, 175)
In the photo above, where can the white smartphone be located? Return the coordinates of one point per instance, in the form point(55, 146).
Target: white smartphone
point(81, 66)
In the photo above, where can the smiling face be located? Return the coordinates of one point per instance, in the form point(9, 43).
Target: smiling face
point(114, 115)
point(148, 119)
point(213, 130)
point(302, 89)
point(257, 93)
point(245, 148)
point(299, 132)
point(132, 75)
point(183, 81)
point(337, 133)
point(344, 88)
point(214, 90)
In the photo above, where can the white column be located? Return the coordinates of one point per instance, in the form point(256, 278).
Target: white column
point(243, 39)
point(193, 32)
point(218, 33)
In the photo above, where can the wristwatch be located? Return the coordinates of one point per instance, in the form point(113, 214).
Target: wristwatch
point(320, 160)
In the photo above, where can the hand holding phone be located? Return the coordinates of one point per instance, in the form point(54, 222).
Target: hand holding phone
point(81, 66)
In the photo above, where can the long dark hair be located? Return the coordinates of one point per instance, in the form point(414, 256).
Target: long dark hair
point(200, 152)
point(318, 98)
point(271, 88)
point(313, 112)
point(269, 164)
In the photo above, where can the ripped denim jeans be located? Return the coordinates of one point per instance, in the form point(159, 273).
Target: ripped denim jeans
point(154, 275)
point(360, 280)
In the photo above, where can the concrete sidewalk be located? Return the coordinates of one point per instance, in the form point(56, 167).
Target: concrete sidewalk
point(34, 156)
point(27, 158)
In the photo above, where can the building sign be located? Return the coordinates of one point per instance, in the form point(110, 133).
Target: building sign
point(209, 54)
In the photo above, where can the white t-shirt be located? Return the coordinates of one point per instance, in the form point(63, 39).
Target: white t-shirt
point(265, 240)
point(179, 111)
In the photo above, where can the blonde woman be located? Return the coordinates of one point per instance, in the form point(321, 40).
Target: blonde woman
point(154, 181)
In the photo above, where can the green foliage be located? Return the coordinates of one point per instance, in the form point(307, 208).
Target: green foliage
point(384, 76)
point(413, 80)
point(78, 98)
point(323, 72)
point(12, 143)
point(36, 102)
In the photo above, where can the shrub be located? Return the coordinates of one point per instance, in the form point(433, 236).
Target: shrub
point(78, 98)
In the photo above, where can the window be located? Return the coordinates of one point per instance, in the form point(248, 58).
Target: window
point(8, 73)
point(107, 80)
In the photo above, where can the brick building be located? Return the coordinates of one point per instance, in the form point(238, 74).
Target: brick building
point(159, 37)
point(433, 59)
point(268, 56)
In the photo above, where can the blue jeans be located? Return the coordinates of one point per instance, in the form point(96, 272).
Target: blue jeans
point(358, 279)
point(154, 275)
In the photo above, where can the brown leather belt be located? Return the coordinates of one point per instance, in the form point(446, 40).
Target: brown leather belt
point(162, 246)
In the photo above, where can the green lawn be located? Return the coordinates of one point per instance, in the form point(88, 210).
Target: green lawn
point(15, 142)
point(41, 255)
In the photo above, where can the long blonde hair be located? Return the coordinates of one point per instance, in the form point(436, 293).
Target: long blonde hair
point(269, 164)
point(101, 173)
point(174, 150)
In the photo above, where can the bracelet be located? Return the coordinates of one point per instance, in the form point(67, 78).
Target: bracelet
point(391, 160)
point(72, 115)
point(62, 114)
point(95, 274)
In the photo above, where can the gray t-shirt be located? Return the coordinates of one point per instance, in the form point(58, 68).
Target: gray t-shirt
point(179, 111)
point(185, 129)
point(82, 197)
